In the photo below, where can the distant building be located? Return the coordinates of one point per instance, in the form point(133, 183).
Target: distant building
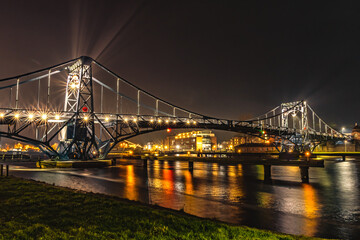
point(355, 133)
point(200, 141)
point(255, 148)
point(245, 138)
point(125, 146)
point(224, 146)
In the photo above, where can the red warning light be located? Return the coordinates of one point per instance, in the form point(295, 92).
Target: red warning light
point(168, 130)
point(85, 109)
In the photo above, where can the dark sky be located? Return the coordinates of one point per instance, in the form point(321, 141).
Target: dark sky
point(229, 59)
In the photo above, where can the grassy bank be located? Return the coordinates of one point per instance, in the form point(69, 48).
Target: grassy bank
point(32, 210)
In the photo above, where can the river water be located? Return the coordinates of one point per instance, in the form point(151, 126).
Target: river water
point(329, 206)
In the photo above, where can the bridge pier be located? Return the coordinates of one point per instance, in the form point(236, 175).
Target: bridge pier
point(304, 172)
point(344, 157)
point(2, 170)
point(267, 173)
point(191, 165)
point(113, 162)
point(145, 163)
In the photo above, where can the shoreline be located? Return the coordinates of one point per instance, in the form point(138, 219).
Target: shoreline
point(182, 216)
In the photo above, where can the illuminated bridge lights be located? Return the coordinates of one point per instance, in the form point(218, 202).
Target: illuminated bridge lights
point(74, 82)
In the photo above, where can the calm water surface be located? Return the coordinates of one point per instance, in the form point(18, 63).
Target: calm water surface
point(327, 207)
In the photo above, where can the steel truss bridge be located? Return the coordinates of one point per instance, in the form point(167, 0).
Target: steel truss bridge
point(63, 110)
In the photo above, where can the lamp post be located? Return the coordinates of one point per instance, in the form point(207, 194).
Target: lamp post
point(342, 131)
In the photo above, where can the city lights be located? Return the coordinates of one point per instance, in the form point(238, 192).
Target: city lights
point(44, 116)
point(17, 116)
point(86, 118)
point(57, 117)
point(31, 116)
point(159, 121)
point(2, 115)
point(106, 119)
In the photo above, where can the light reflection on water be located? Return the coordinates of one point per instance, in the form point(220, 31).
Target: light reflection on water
point(327, 207)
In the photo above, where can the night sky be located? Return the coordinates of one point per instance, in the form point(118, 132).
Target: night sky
point(219, 58)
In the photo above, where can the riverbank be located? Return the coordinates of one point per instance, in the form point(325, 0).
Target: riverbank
point(33, 210)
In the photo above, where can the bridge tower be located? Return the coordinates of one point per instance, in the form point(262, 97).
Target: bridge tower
point(296, 110)
point(77, 138)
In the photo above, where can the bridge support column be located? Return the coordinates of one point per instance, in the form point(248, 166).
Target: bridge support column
point(267, 173)
point(343, 157)
point(145, 163)
point(1, 170)
point(7, 170)
point(191, 165)
point(304, 172)
point(113, 162)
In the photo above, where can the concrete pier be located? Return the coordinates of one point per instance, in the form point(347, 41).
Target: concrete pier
point(191, 165)
point(304, 173)
point(267, 173)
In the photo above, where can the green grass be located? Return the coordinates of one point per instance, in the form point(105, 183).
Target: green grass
point(33, 210)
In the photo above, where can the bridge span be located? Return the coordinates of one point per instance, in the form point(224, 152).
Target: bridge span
point(80, 109)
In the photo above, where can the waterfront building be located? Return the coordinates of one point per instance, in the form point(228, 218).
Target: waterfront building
point(355, 133)
point(245, 138)
point(125, 146)
point(200, 141)
point(225, 146)
point(255, 148)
